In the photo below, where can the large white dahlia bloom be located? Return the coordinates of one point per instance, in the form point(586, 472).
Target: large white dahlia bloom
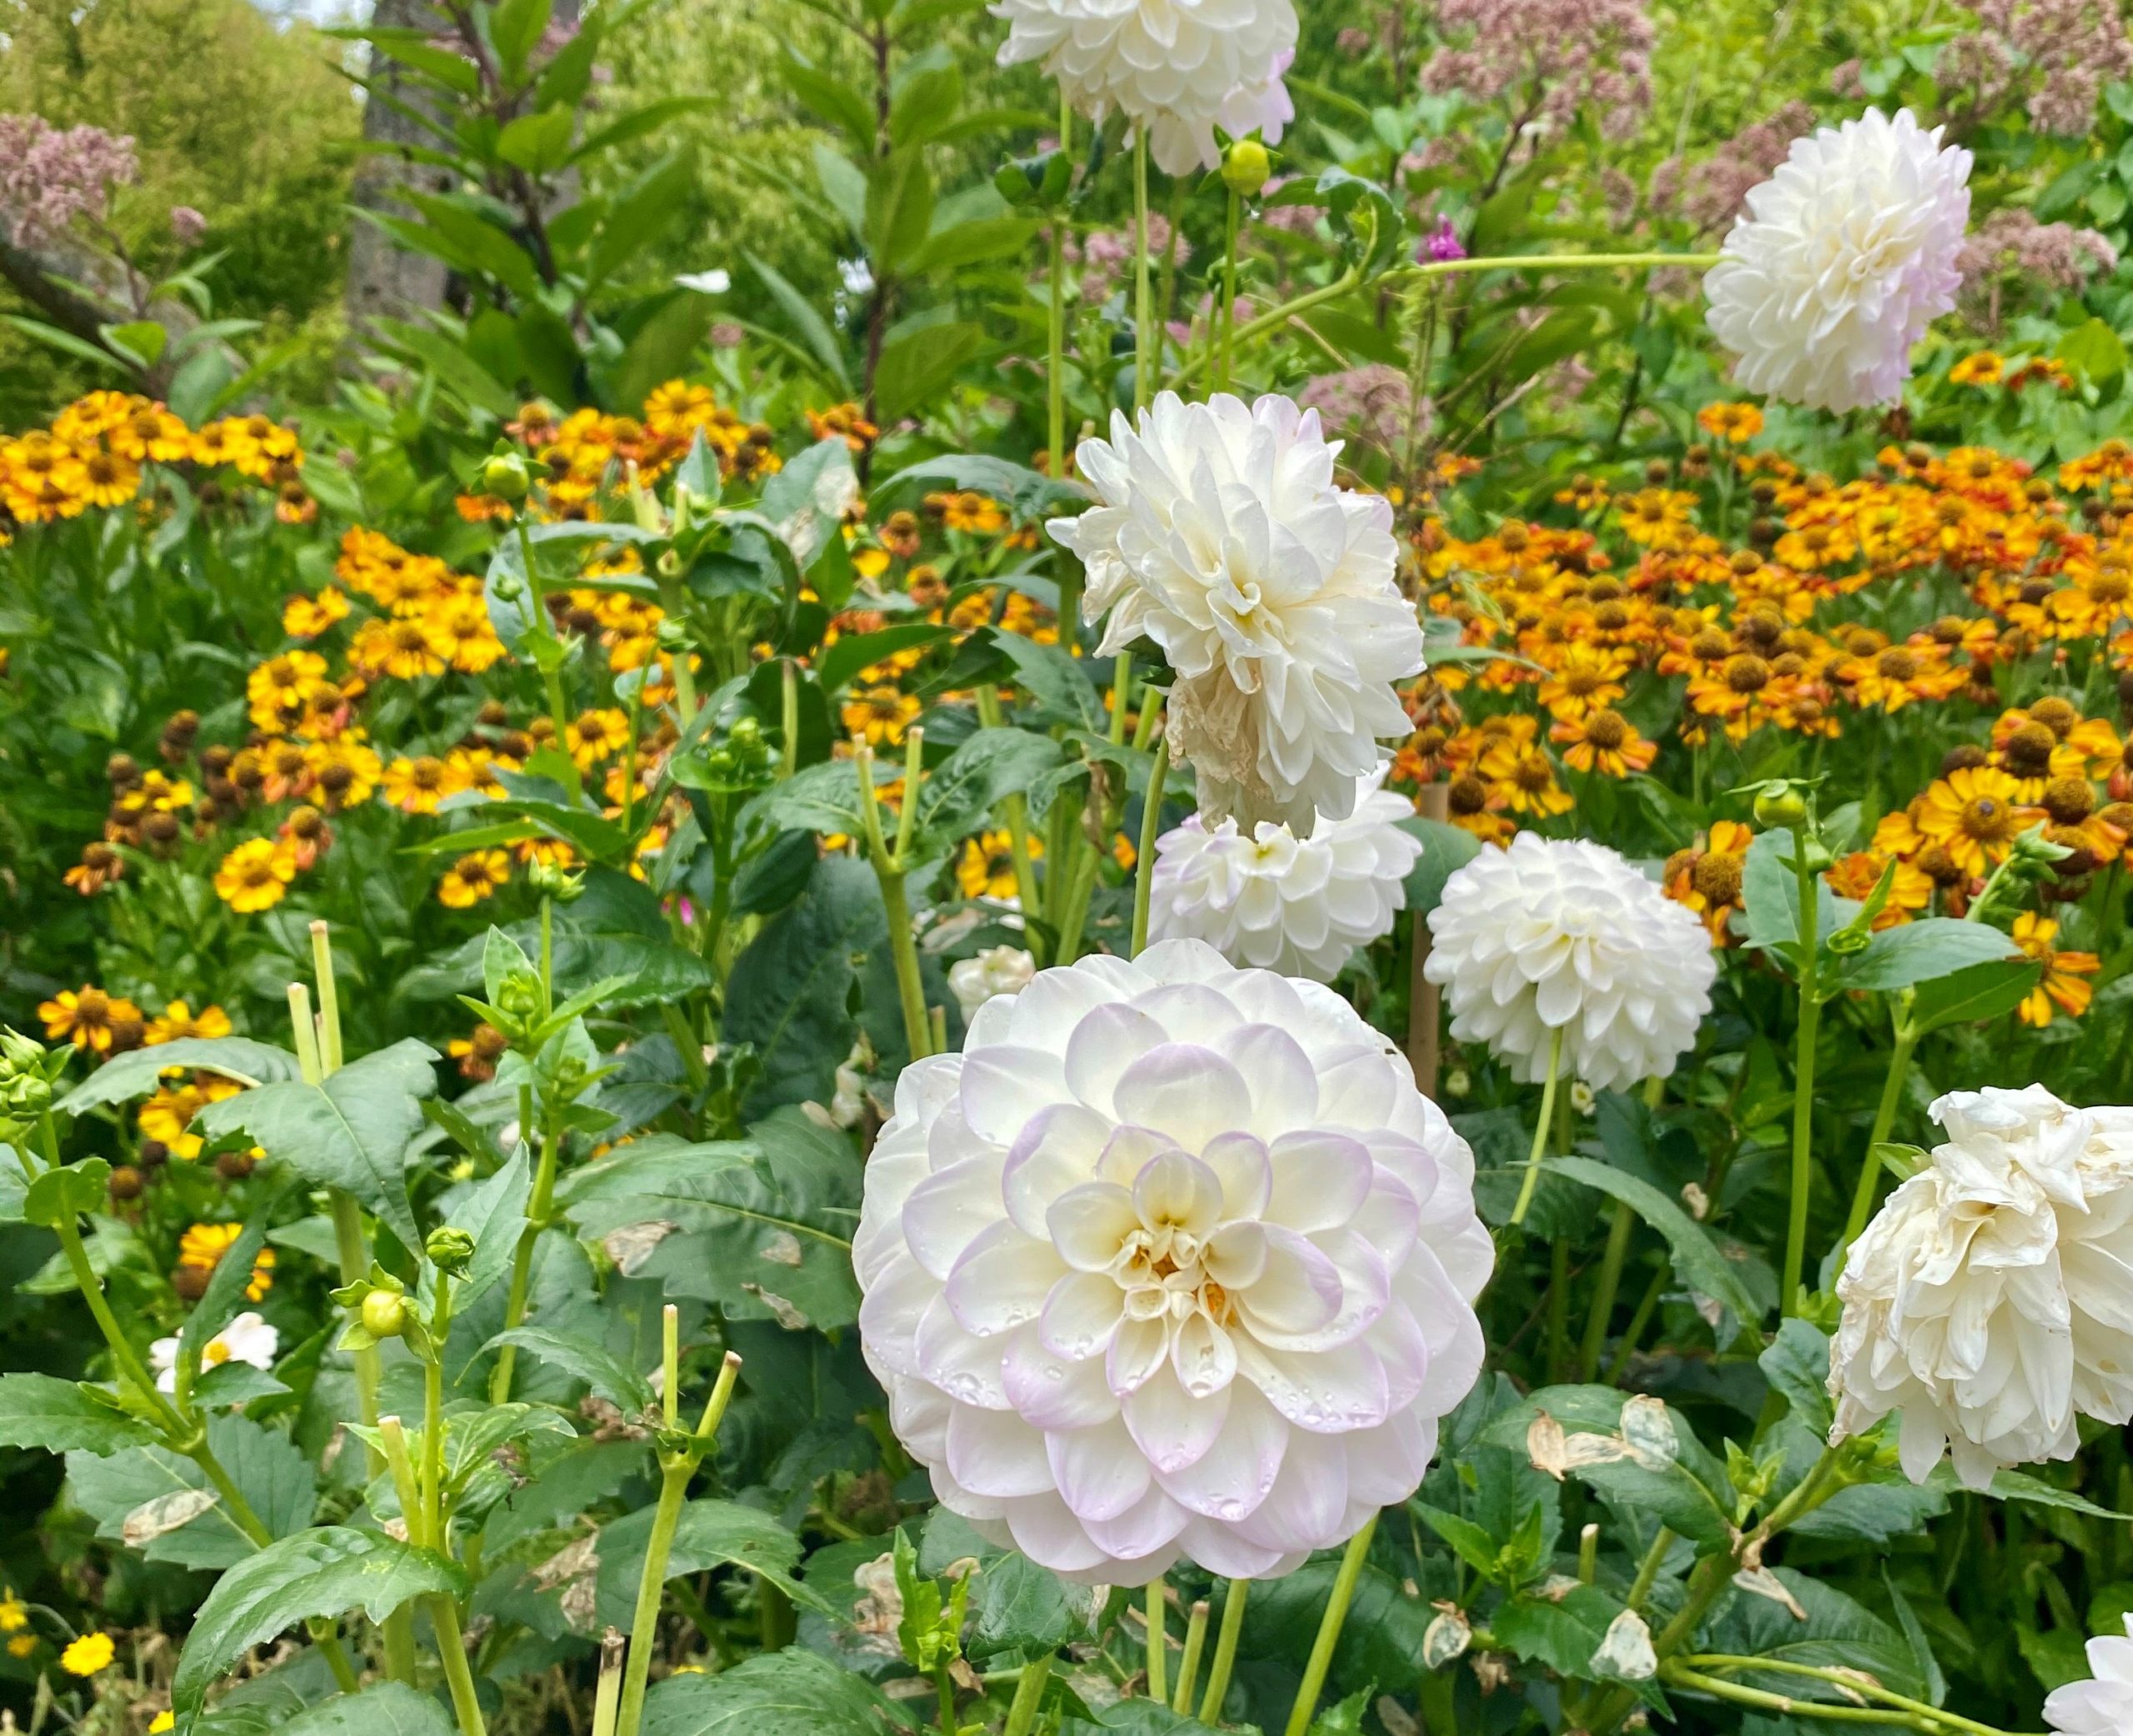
point(1220, 533)
point(1172, 1259)
point(1991, 1298)
point(1562, 934)
point(2103, 1707)
point(1298, 906)
point(1178, 67)
point(1841, 260)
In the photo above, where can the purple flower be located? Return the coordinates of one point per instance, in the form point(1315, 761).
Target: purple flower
point(49, 177)
point(187, 224)
point(1442, 245)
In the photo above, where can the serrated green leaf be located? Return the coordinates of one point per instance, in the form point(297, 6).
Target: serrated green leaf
point(61, 1416)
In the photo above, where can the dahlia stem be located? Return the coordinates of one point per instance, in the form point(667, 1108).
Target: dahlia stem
point(1188, 1668)
point(1541, 1129)
point(607, 1698)
point(1862, 1201)
point(1226, 1643)
point(1803, 1077)
point(1158, 1642)
point(1143, 865)
point(1934, 1717)
point(1054, 372)
point(1144, 361)
point(1225, 366)
point(1603, 1301)
point(1029, 1696)
point(1329, 1629)
point(1015, 810)
point(889, 872)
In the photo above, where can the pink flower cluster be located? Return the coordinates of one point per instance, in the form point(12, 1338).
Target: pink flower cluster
point(1548, 58)
point(1373, 404)
point(2072, 48)
point(1106, 256)
point(1709, 193)
point(2055, 254)
point(50, 176)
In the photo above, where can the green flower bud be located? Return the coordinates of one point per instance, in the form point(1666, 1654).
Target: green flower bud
point(1780, 805)
point(449, 1250)
point(384, 1314)
point(553, 880)
point(504, 477)
point(519, 996)
point(1247, 165)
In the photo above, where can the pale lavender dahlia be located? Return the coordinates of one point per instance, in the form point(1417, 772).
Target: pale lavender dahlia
point(1173, 1260)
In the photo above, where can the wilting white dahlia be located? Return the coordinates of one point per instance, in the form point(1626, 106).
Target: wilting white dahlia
point(1178, 67)
point(2103, 1707)
point(1561, 935)
point(1220, 533)
point(1172, 1259)
point(1840, 259)
point(1269, 899)
point(1987, 1303)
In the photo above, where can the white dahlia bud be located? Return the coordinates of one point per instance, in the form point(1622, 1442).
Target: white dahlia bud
point(2104, 1706)
point(1986, 1304)
point(1298, 906)
point(1178, 67)
point(1840, 261)
point(996, 970)
point(1563, 936)
point(1220, 533)
point(1172, 1259)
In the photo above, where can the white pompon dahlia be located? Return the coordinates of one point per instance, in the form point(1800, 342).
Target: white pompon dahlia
point(1173, 1260)
point(1178, 67)
point(1987, 1303)
point(1220, 533)
point(2103, 1707)
point(1562, 934)
point(1272, 900)
point(1840, 259)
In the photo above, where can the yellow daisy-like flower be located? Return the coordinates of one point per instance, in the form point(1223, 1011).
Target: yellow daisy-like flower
point(472, 878)
point(14, 1613)
point(86, 1017)
point(87, 1655)
point(1734, 423)
point(879, 714)
point(1975, 814)
point(306, 617)
point(161, 1722)
point(2064, 983)
point(203, 1246)
point(109, 480)
point(168, 1115)
point(178, 1020)
point(1983, 367)
point(595, 735)
point(22, 1645)
point(255, 876)
point(986, 868)
point(416, 786)
point(398, 646)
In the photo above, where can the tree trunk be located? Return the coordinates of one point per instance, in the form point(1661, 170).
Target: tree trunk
point(384, 278)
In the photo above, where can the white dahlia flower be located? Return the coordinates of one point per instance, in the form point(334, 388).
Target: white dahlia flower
point(247, 1338)
point(1840, 259)
point(1173, 1260)
point(1178, 67)
point(1565, 935)
point(996, 970)
point(1269, 899)
point(2103, 1707)
point(1987, 1303)
point(1220, 533)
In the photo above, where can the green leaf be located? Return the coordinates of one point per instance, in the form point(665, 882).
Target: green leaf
point(143, 341)
point(917, 365)
point(2036, 1492)
point(582, 1359)
point(1674, 1479)
point(963, 789)
point(52, 338)
point(59, 1196)
point(326, 1572)
point(1561, 1633)
point(791, 1693)
point(926, 95)
point(1838, 1634)
point(899, 208)
point(708, 1534)
point(135, 1073)
point(1027, 493)
point(651, 202)
point(225, 1294)
point(835, 102)
point(351, 1132)
point(515, 28)
point(815, 332)
point(952, 246)
point(2097, 351)
point(1696, 1257)
point(849, 656)
point(538, 142)
point(161, 1503)
point(1976, 993)
point(1920, 951)
point(1797, 1366)
point(388, 1708)
point(1060, 685)
point(481, 247)
point(494, 1213)
point(763, 1225)
point(1446, 850)
point(789, 992)
point(65, 1416)
point(638, 124)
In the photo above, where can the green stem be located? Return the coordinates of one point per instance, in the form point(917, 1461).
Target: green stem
point(607, 1697)
point(1015, 810)
point(1558, 1307)
point(903, 952)
point(1029, 1696)
point(432, 1483)
point(1633, 1333)
point(1144, 361)
point(539, 1203)
point(451, 1652)
point(1226, 1644)
point(543, 632)
point(676, 1470)
point(1158, 1646)
point(1226, 367)
point(1151, 825)
point(673, 604)
point(1848, 1680)
point(1188, 1667)
point(1540, 1128)
point(1803, 1075)
point(1885, 1115)
point(122, 1353)
point(1054, 370)
point(329, 1000)
point(1647, 1570)
point(1329, 1629)
point(1550, 262)
point(1603, 1301)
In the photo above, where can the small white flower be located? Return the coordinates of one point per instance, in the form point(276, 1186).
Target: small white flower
point(1298, 906)
point(2103, 1707)
point(1173, 1260)
point(1178, 67)
point(848, 1102)
point(1220, 533)
point(1581, 1098)
point(715, 282)
point(1986, 1304)
point(997, 971)
point(1557, 935)
point(1841, 260)
point(246, 1339)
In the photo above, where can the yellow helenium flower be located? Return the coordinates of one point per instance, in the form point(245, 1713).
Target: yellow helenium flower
point(86, 1656)
point(255, 876)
